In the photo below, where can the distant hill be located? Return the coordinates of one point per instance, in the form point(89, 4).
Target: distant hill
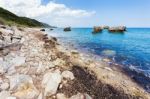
point(8, 18)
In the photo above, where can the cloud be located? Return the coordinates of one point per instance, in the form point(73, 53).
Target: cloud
point(54, 11)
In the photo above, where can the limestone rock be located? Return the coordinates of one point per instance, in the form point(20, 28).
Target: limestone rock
point(51, 82)
point(17, 80)
point(4, 94)
point(26, 91)
point(18, 60)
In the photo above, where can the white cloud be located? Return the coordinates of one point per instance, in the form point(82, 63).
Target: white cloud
point(52, 11)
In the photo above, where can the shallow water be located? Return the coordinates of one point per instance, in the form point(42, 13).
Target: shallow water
point(130, 49)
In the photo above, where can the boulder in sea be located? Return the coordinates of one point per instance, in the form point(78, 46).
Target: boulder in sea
point(105, 27)
point(97, 29)
point(67, 29)
point(42, 30)
point(117, 29)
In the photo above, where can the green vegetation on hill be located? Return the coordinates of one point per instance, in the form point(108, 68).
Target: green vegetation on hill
point(8, 18)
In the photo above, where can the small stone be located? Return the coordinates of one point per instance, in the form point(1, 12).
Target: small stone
point(61, 96)
point(4, 86)
point(67, 75)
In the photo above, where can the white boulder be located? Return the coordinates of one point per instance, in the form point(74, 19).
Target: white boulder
point(17, 80)
point(4, 94)
point(23, 87)
point(51, 82)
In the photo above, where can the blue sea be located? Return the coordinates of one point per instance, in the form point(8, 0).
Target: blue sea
point(130, 49)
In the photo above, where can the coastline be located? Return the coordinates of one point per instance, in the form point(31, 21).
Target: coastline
point(43, 58)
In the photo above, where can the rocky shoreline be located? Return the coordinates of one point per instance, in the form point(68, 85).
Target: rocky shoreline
point(35, 66)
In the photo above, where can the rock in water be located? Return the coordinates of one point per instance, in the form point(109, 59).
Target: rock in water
point(117, 29)
point(67, 29)
point(97, 29)
point(51, 82)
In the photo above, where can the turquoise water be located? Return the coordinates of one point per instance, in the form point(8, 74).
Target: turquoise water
point(130, 49)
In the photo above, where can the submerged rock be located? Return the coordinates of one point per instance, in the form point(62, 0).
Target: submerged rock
point(51, 82)
point(108, 53)
point(22, 86)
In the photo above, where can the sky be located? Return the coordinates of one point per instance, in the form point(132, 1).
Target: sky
point(83, 13)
